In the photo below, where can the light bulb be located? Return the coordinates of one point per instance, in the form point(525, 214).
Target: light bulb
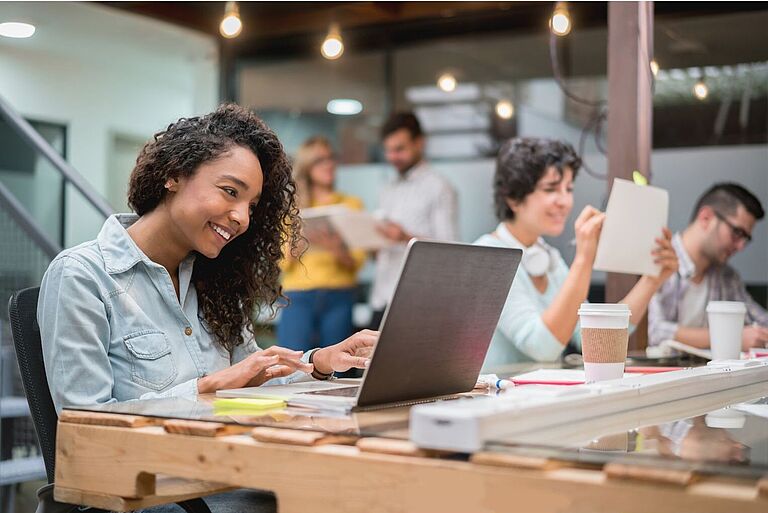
point(231, 25)
point(446, 82)
point(344, 107)
point(505, 109)
point(560, 22)
point(654, 67)
point(700, 90)
point(333, 46)
point(16, 29)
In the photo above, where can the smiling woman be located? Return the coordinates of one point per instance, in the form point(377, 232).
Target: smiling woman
point(160, 303)
point(199, 180)
point(533, 195)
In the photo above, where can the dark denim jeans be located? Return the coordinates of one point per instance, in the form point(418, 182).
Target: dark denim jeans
point(316, 318)
point(238, 501)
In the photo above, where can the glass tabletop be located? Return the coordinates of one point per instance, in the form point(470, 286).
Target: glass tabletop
point(389, 422)
point(722, 433)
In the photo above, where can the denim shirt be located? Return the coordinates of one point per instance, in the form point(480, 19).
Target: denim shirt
point(113, 329)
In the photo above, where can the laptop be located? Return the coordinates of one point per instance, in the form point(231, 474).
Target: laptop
point(434, 335)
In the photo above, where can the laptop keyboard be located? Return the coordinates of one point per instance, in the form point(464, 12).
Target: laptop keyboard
point(338, 392)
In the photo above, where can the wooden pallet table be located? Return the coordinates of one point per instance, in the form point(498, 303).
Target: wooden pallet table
point(121, 463)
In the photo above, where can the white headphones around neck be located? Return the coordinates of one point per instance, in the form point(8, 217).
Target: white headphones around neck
point(538, 259)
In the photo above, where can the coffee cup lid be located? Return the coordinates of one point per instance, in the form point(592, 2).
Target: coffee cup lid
point(604, 309)
point(736, 307)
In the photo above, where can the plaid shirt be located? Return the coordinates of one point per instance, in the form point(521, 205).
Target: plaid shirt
point(724, 285)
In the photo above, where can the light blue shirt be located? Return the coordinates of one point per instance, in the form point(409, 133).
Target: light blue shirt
point(113, 329)
point(521, 335)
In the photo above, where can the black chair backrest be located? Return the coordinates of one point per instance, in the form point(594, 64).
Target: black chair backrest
point(29, 353)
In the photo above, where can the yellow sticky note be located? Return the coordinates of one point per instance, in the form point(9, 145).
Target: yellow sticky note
point(248, 403)
point(639, 178)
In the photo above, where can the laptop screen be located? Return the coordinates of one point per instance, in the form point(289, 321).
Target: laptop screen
point(438, 327)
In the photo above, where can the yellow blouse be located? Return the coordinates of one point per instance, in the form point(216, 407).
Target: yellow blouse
point(319, 268)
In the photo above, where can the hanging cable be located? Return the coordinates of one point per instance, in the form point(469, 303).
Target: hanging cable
point(559, 76)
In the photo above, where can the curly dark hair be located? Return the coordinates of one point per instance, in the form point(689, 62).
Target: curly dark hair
point(521, 163)
point(245, 275)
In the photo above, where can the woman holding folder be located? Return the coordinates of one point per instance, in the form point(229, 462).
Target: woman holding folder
point(321, 286)
point(533, 197)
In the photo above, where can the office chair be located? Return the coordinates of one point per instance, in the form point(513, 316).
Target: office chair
point(22, 309)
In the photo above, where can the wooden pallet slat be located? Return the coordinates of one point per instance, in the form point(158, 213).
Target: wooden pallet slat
point(299, 437)
point(107, 419)
point(202, 428)
point(674, 477)
point(500, 459)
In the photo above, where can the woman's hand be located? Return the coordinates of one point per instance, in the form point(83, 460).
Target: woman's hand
point(664, 255)
point(352, 352)
point(588, 226)
point(323, 237)
point(256, 369)
point(330, 240)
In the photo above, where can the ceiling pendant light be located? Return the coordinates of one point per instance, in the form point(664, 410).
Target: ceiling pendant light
point(332, 46)
point(505, 109)
point(446, 82)
point(654, 67)
point(560, 22)
point(700, 90)
point(231, 25)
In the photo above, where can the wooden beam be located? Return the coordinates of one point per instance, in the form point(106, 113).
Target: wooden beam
point(630, 106)
point(361, 14)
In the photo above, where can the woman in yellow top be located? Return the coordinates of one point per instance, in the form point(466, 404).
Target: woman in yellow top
point(320, 286)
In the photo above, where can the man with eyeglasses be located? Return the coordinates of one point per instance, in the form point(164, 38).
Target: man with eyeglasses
point(721, 226)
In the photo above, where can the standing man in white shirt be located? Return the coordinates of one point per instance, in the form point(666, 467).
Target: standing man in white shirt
point(418, 202)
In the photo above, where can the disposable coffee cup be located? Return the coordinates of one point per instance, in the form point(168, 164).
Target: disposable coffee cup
point(725, 418)
point(604, 339)
point(726, 323)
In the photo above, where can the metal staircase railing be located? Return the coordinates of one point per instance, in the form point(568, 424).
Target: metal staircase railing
point(26, 250)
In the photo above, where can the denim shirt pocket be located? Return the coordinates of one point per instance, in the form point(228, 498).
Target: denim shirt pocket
point(152, 363)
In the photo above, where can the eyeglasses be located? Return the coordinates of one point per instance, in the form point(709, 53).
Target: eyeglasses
point(738, 234)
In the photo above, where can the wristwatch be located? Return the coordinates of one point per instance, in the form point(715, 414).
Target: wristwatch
point(316, 373)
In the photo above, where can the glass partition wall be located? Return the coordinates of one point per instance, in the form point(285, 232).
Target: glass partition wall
point(473, 91)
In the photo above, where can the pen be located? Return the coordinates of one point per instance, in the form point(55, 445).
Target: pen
point(493, 381)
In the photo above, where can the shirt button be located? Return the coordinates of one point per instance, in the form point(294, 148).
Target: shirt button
point(188, 331)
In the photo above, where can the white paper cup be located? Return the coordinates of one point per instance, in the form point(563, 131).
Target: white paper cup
point(604, 339)
point(726, 323)
point(725, 418)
